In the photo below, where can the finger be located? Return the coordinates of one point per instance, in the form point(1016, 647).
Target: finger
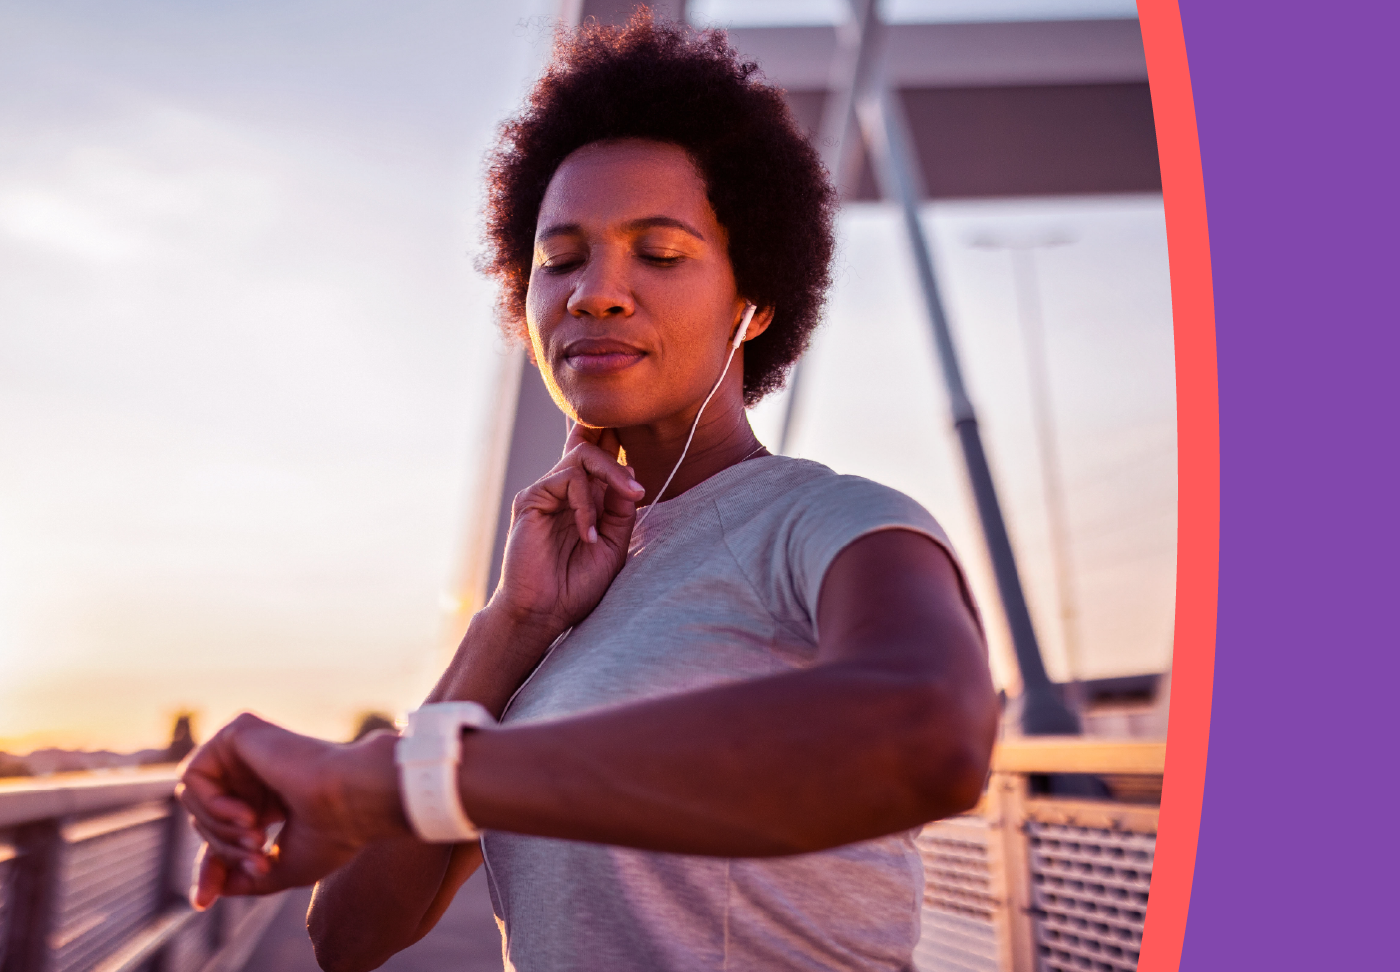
point(243, 878)
point(231, 811)
point(585, 512)
point(600, 465)
point(270, 821)
point(571, 485)
point(618, 519)
point(618, 507)
point(233, 853)
point(231, 840)
point(605, 439)
point(220, 828)
point(207, 795)
point(599, 491)
point(549, 495)
point(241, 881)
point(578, 433)
point(610, 443)
point(216, 830)
point(208, 880)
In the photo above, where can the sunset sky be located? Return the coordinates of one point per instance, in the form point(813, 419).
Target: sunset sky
point(246, 366)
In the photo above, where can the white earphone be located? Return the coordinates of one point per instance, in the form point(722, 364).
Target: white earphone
point(749, 311)
point(740, 333)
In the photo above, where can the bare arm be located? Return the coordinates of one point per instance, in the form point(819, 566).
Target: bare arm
point(893, 727)
point(395, 890)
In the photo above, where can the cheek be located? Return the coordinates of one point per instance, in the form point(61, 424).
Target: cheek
point(543, 301)
point(534, 297)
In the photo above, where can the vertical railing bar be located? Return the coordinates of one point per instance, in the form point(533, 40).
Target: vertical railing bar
point(35, 889)
point(170, 866)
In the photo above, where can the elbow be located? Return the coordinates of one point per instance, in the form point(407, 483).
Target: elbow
point(962, 782)
point(952, 748)
point(330, 961)
point(332, 955)
point(336, 947)
point(338, 956)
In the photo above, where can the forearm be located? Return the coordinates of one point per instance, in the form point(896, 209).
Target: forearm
point(781, 765)
point(498, 653)
point(375, 905)
point(394, 890)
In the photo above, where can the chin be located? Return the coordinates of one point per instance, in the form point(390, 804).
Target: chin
point(606, 415)
point(603, 405)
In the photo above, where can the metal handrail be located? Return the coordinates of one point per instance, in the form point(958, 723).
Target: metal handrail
point(43, 820)
point(117, 847)
point(1076, 754)
point(27, 799)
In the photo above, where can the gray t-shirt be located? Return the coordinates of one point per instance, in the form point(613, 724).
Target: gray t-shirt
point(720, 585)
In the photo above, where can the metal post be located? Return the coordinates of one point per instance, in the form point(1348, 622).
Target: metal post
point(1033, 330)
point(839, 138)
point(35, 889)
point(1042, 712)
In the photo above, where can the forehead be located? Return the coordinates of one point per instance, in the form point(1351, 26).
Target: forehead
point(607, 184)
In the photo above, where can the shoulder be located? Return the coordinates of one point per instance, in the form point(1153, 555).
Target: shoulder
point(810, 497)
point(786, 479)
point(785, 520)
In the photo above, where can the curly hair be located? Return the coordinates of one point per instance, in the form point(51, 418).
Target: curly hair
point(764, 181)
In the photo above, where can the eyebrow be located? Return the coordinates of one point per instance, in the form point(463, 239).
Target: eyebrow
point(670, 221)
point(646, 222)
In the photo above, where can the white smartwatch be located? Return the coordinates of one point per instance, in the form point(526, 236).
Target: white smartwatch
point(427, 754)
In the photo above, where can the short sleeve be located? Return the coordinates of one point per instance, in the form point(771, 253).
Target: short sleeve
point(831, 514)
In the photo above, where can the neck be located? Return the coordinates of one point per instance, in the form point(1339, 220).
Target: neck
point(722, 439)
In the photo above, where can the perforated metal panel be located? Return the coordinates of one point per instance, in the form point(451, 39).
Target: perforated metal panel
point(962, 897)
point(110, 884)
point(1089, 889)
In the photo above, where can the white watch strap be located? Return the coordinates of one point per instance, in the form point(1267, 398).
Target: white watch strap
point(427, 754)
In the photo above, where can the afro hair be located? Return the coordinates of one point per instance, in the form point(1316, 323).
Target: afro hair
point(664, 82)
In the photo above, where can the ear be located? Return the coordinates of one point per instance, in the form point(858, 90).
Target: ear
point(761, 319)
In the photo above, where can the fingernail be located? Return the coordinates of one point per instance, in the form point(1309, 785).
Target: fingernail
point(635, 486)
point(592, 534)
point(250, 867)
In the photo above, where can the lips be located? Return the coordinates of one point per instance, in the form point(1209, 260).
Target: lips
point(598, 356)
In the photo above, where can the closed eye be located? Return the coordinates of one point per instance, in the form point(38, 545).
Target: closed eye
point(661, 260)
point(561, 264)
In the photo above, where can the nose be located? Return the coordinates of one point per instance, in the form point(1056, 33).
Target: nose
point(601, 289)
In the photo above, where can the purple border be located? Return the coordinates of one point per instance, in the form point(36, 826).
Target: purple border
point(1296, 866)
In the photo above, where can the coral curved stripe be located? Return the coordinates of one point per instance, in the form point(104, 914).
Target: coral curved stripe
point(1198, 449)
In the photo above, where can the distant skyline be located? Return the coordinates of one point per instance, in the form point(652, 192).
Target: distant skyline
point(246, 366)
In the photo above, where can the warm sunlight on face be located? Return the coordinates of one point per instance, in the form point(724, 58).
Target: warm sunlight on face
point(632, 296)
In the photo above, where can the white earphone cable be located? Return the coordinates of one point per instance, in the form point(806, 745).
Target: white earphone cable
point(738, 340)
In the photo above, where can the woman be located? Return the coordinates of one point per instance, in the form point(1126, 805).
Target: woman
point(722, 715)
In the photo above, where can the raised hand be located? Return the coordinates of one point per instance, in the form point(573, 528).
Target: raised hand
point(569, 534)
point(331, 799)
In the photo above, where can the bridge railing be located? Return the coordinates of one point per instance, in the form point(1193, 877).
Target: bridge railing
point(94, 869)
point(1029, 882)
